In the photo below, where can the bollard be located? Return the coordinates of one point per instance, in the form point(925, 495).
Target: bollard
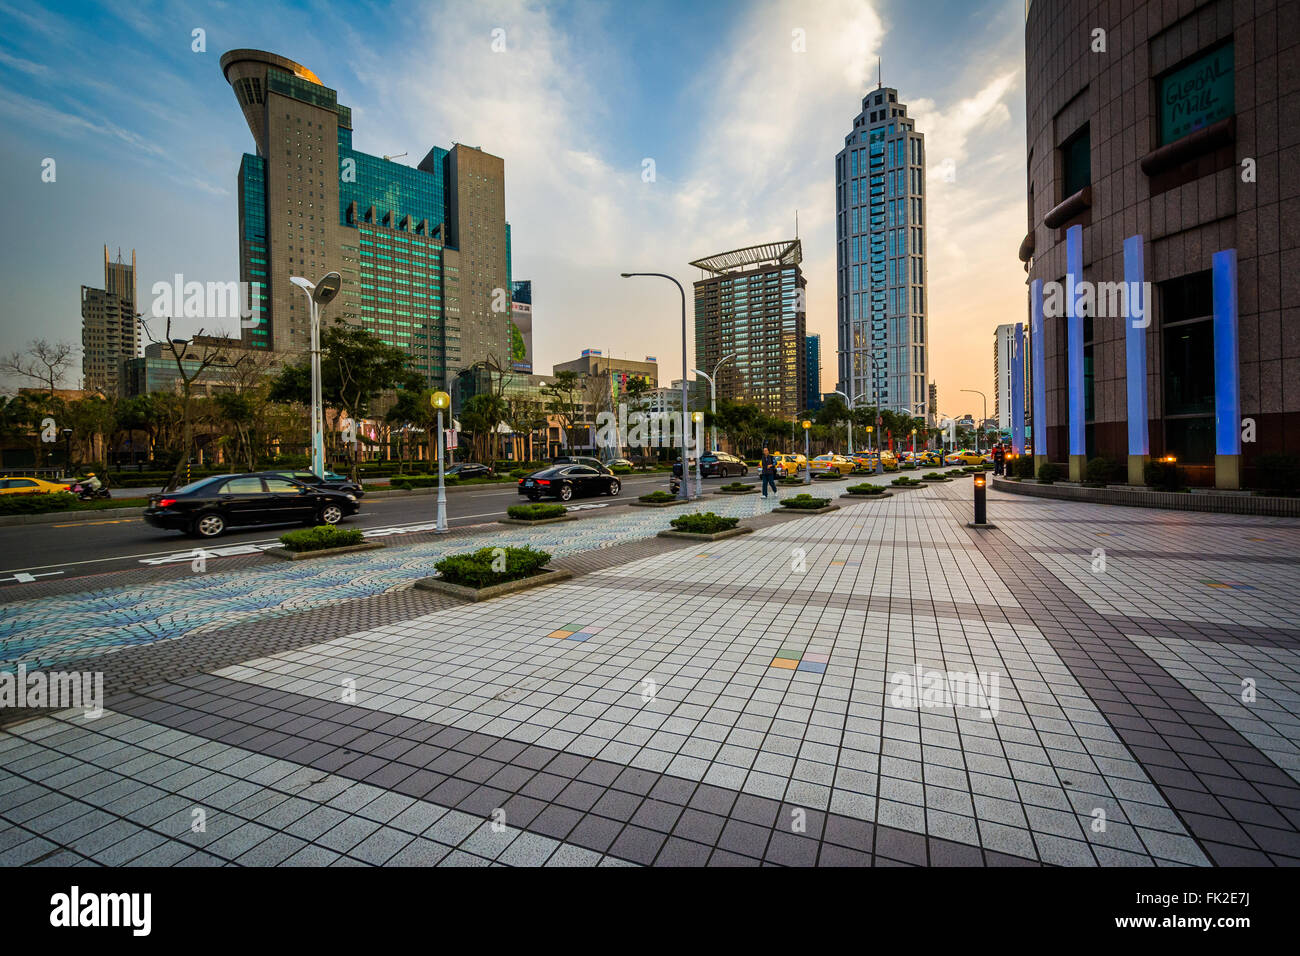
point(981, 508)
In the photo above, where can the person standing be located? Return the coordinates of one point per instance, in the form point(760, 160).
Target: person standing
point(768, 468)
point(999, 460)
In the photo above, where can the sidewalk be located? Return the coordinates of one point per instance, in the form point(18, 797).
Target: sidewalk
point(734, 703)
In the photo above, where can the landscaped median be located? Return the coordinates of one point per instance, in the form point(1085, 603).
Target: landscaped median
point(322, 541)
point(807, 504)
point(492, 572)
point(61, 505)
point(867, 491)
point(737, 488)
point(537, 514)
point(705, 526)
point(906, 482)
point(658, 499)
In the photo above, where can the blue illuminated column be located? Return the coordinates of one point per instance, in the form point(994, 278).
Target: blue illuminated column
point(1137, 319)
point(1077, 435)
point(1038, 360)
point(1227, 394)
point(1018, 390)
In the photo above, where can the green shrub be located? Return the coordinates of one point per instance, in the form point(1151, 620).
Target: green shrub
point(704, 523)
point(933, 476)
point(621, 470)
point(1099, 471)
point(1049, 473)
point(1279, 473)
point(475, 569)
point(658, 496)
point(805, 501)
point(1022, 467)
point(520, 473)
point(905, 481)
point(536, 512)
point(737, 486)
point(866, 489)
point(789, 482)
point(37, 504)
point(1164, 476)
point(321, 537)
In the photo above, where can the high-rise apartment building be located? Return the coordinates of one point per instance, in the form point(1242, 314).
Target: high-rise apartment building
point(812, 372)
point(753, 304)
point(521, 317)
point(110, 328)
point(880, 232)
point(423, 252)
point(1003, 354)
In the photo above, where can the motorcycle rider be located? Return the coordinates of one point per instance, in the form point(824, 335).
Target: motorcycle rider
point(91, 483)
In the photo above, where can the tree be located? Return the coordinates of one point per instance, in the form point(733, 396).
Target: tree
point(43, 363)
point(563, 401)
point(635, 394)
point(525, 416)
point(356, 366)
point(192, 360)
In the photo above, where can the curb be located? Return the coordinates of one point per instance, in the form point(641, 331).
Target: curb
point(808, 511)
point(1264, 505)
point(284, 554)
point(525, 522)
point(883, 494)
point(50, 517)
point(553, 576)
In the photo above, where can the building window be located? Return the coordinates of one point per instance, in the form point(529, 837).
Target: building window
point(1076, 163)
point(1197, 94)
point(1187, 361)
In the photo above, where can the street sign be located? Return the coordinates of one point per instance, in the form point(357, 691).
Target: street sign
point(451, 439)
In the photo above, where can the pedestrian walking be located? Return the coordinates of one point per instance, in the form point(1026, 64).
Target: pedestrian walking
point(768, 468)
point(999, 460)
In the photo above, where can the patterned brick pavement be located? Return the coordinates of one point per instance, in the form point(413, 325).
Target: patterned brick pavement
point(734, 703)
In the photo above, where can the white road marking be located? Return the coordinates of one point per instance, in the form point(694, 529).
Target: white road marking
point(22, 577)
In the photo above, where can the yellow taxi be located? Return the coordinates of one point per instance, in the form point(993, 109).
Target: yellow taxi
point(964, 457)
point(30, 486)
point(888, 461)
point(831, 465)
point(790, 466)
point(928, 457)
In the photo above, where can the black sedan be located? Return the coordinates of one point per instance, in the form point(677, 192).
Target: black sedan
point(329, 481)
point(568, 481)
point(581, 460)
point(716, 464)
point(209, 506)
point(468, 469)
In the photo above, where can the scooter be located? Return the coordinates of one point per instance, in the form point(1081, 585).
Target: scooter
point(86, 493)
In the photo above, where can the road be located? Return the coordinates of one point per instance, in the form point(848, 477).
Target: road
point(81, 548)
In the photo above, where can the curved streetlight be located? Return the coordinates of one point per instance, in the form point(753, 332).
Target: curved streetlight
point(807, 461)
point(986, 413)
point(698, 430)
point(713, 395)
point(683, 490)
point(441, 401)
point(319, 295)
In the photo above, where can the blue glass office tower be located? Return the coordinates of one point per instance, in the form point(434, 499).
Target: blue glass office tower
point(880, 261)
point(813, 372)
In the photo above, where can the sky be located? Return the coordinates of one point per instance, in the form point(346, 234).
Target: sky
point(742, 128)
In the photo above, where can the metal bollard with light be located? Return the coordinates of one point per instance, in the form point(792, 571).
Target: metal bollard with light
point(441, 401)
point(807, 454)
point(981, 507)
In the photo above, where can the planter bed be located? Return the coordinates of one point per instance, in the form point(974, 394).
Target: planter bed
point(660, 504)
point(752, 489)
point(716, 536)
point(284, 554)
point(859, 496)
point(809, 511)
point(529, 522)
point(541, 578)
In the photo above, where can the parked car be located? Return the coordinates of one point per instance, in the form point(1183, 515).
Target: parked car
point(469, 469)
point(719, 464)
point(790, 466)
point(568, 481)
point(831, 464)
point(30, 486)
point(964, 457)
point(330, 481)
point(612, 463)
point(581, 460)
point(207, 507)
point(929, 458)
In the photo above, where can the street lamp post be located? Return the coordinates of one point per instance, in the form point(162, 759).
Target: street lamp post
point(713, 397)
point(982, 420)
point(683, 491)
point(319, 294)
point(441, 401)
point(807, 463)
point(67, 453)
point(698, 419)
point(849, 402)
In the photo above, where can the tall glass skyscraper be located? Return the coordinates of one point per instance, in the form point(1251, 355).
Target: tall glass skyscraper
point(880, 233)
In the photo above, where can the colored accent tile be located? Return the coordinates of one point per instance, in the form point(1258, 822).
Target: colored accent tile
point(784, 663)
point(814, 658)
point(833, 563)
point(572, 628)
point(790, 653)
point(813, 666)
point(580, 636)
point(560, 635)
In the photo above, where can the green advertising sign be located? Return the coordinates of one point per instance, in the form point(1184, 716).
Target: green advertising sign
point(1196, 95)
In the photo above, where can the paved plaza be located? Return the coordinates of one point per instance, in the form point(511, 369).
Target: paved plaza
point(881, 685)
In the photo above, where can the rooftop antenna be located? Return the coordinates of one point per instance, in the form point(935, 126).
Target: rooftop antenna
point(796, 223)
point(398, 156)
point(880, 74)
